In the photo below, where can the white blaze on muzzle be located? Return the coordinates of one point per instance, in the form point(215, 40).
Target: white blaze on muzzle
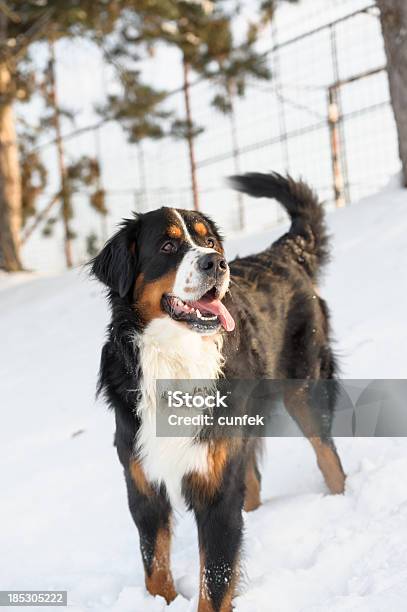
point(190, 280)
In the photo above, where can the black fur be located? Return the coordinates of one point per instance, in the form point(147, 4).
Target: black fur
point(302, 205)
point(115, 266)
point(282, 332)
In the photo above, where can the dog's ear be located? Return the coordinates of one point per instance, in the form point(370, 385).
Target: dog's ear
point(115, 266)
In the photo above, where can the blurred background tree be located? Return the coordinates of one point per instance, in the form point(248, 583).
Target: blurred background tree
point(34, 174)
point(75, 175)
point(201, 31)
point(128, 32)
point(203, 34)
point(229, 66)
point(139, 109)
point(23, 23)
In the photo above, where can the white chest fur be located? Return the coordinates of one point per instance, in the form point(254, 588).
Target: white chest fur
point(169, 350)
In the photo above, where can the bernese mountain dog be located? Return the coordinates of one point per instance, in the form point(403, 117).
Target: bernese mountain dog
point(179, 310)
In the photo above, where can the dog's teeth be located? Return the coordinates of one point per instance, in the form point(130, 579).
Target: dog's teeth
point(182, 306)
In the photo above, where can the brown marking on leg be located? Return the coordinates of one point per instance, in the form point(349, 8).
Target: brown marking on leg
point(297, 406)
point(329, 464)
point(139, 478)
point(151, 513)
point(252, 497)
point(159, 580)
point(205, 603)
point(217, 502)
point(205, 485)
point(327, 457)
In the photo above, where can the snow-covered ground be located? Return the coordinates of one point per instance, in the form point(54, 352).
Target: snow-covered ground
point(64, 522)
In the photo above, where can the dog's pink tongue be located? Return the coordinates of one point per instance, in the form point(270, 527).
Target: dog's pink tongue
point(217, 308)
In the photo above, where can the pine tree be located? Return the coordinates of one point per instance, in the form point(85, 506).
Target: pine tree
point(23, 23)
point(139, 109)
point(202, 32)
point(184, 25)
point(229, 66)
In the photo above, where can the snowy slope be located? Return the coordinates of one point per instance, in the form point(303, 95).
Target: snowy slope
point(64, 522)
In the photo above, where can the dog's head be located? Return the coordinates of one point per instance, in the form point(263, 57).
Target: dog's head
point(169, 263)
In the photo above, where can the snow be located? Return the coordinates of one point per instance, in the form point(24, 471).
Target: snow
point(64, 517)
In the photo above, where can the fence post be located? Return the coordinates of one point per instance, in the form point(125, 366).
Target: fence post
point(335, 143)
point(236, 152)
point(282, 124)
point(335, 93)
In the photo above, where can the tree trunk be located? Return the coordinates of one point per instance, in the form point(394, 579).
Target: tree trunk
point(190, 136)
point(65, 192)
point(99, 185)
point(393, 16)
point(10, 182)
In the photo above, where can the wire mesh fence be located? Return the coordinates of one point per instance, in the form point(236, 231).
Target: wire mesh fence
point(325, 115)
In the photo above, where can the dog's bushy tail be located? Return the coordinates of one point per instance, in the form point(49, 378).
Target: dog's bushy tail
point(308, 230)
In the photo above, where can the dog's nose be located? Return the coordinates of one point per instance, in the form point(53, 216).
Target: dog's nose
point(213, 264)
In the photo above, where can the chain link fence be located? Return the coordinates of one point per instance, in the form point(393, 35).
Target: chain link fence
point(325, 116)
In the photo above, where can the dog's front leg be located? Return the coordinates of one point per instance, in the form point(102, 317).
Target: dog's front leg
point(151, 512)
point(219, 520)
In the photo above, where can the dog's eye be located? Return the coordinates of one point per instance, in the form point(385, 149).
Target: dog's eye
point(169, 247)
point(210, 243)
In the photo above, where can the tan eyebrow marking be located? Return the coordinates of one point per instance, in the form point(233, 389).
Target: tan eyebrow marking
point(200, 228)
point(174, 231)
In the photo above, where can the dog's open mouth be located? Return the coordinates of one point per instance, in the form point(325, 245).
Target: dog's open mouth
point(204, 315)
